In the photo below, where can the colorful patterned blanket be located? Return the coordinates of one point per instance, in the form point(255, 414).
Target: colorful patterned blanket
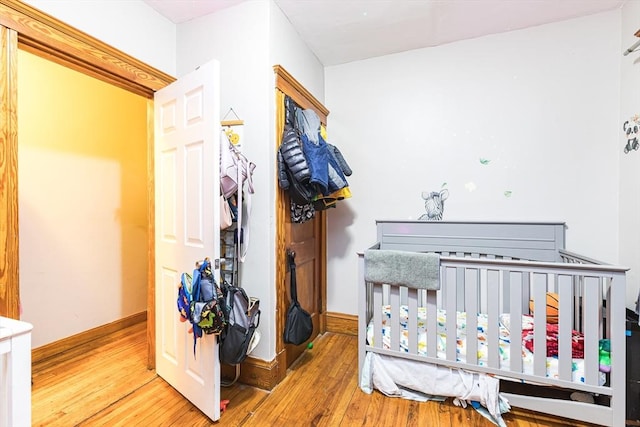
point(462, 335)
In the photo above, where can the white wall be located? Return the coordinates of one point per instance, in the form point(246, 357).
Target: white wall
point(130, 26)
point(82, 197)
point(259, 38)
point(288, 50)
point(541, 104)
point(629, 163)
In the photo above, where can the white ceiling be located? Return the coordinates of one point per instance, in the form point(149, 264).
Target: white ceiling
point(340, 31)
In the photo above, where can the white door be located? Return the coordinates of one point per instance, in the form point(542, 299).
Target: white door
point(187, 183)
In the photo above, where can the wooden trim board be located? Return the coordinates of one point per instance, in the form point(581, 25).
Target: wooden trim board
point(341, 323)
point(41, 353)
point(46, 36)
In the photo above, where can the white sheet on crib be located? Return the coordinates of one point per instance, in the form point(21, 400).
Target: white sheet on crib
point(461, 322)
point(395, 377)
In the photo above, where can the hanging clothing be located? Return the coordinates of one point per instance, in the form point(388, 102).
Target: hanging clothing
point(318, 159)
point(326, 172)
point(340, 160)
point(337, 179)
point(326, 166)
point(301, 213)
point(308, 123)
point(315, 149)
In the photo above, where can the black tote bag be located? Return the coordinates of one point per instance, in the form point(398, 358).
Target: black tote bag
point(298, 326)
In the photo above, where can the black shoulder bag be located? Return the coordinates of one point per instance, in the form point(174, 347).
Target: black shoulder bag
point(298, 327)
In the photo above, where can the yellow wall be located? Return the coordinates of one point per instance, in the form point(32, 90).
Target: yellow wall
point(82, 200)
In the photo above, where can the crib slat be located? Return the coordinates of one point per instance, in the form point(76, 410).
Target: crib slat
point(472, 280)
point(377, 315)
point(450, 307)
point(506, 293)
point(607, 310)
point(515, 315)
point(396, 329)
point(591, 310)
point(577, 305)
point(412, 303)
point(565, 301)
point(526, 290)
point(460, 287)
point(539, 292)
point(432, 323)
point(493, 308)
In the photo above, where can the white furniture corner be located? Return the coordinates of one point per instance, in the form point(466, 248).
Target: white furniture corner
point(15, 373)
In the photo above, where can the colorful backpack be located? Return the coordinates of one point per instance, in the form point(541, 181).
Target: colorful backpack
point(241, 335)
point(184, 297)
point(200, 301)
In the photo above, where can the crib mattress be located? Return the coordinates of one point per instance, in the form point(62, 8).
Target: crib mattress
point(461, 340)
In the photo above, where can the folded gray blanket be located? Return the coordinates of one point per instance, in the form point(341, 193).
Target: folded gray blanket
point(413, 269)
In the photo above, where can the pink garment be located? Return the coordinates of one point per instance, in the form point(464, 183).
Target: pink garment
point(577, 341)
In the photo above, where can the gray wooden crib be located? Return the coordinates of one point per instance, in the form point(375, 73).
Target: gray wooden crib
point(503, 271)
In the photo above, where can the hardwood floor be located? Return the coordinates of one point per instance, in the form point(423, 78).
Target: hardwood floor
point(106, 383)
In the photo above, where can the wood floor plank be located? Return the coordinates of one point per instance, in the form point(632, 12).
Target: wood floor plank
point(105, 343)
point(343, 393)
point(412, 414)
point(106, 383)
point(243, 401)
point(429, 411)
point(356, 410)
point(142, 408)
point(64, 396)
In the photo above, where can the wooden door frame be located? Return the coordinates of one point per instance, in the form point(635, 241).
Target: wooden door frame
point(288, 85)
point(25, 27)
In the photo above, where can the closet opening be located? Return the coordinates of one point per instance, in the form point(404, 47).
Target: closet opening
point(82, 196)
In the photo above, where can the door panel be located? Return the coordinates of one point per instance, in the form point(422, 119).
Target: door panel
point(186, 156)
point(304, 240)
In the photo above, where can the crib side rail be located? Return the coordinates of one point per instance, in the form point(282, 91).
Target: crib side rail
point(573, 257)
point(497, 288)
point(587, 293)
